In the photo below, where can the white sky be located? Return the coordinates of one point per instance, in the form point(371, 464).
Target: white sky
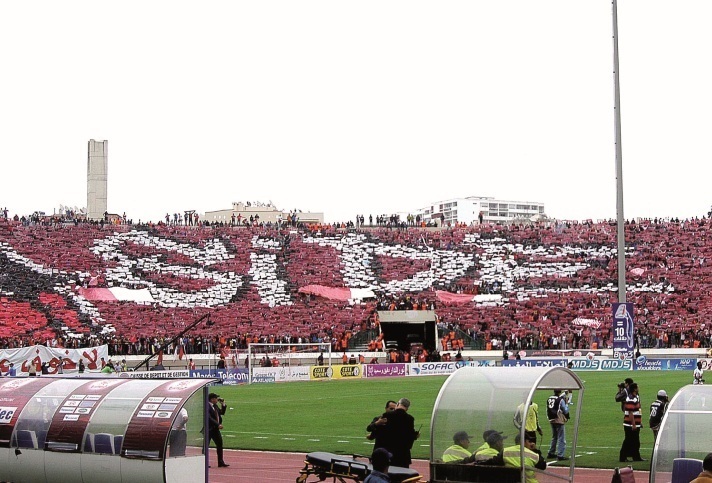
point(356, 107)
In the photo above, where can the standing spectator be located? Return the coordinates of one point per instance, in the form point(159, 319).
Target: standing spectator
point(12, 372)
point(81, 366)
point(697, 375)
point(631, 426)
point(400, 434)
point(215, 414)
point(557, 410)
point(657, 411)
point(375, 429)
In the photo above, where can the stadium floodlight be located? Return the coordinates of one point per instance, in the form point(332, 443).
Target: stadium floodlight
point(620, 233)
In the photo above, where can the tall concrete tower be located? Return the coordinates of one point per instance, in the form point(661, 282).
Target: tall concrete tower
point(97, 173)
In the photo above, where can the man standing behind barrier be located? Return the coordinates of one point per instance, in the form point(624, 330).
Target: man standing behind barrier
point(631, 426)
point(179, 434)
point(657, 411)
point(557, 410)
point(215, 414)
point(399, 434)
point(375, 429)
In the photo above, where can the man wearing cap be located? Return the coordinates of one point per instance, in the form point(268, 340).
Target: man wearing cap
point(492, 454)
point(215, 414)
point(532, 458)
point(380, 460)
point(485, 435)
point(657, 411)
point(458, 452)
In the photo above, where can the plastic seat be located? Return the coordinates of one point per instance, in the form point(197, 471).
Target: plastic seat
point(26, 439)
point(104, 443)
point(685, 470)
point(118, 441)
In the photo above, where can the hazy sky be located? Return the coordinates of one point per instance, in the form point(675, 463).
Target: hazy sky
point(356, 107)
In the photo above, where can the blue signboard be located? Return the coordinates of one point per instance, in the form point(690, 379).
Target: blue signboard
point(645, 364)
point(534, 362)
point(623, 331)
point(228, 376)
point(601, 364)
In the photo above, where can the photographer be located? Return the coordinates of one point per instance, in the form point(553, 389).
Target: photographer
point(216, 410)
point(623, 392)
point(697, 375)
point(631, 426)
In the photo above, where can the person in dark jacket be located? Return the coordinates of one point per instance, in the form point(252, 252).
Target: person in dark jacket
point(399, 434)
point(216, 410)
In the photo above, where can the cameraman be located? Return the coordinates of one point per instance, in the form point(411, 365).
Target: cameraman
point(631, 426)
point(216, 410)
point(623, 392)
point(557, 410)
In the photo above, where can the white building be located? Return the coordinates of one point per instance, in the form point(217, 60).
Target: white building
point(267, 213)
point(467, 210)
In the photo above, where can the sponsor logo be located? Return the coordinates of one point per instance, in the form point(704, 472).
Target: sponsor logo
point(6, 414)
point(263, 378)
point(350, 371)
point(71, 417)
point(163, 414)
point(322, 372)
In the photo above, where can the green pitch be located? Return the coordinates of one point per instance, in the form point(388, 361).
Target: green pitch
point(332, 415)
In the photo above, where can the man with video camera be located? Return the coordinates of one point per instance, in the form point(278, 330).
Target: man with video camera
point(623, 392)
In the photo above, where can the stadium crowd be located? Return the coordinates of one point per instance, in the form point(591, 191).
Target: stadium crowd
point(548, 285)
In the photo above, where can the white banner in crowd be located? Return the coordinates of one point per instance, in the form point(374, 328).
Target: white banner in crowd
point(24, 357)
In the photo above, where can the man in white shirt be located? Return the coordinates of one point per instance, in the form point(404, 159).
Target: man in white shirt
point(179, 434)
point(697, 375)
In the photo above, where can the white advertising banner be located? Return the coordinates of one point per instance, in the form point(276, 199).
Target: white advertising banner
point(280, 374)
point(24, 358)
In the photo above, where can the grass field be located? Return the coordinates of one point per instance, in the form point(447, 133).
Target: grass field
point(332, 415)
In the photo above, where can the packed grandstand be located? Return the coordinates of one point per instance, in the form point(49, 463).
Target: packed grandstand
point(544, 285)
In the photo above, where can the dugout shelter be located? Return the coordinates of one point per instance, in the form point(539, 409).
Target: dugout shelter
point(684, 437)
point(74, 429)
point(479, 399)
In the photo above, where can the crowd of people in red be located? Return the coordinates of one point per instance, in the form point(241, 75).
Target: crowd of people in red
point(668, 271)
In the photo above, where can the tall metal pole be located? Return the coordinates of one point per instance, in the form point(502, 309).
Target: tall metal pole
point(619, 162)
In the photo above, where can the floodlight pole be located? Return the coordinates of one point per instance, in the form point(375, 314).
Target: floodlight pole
point(620, 234)
point(166, 344)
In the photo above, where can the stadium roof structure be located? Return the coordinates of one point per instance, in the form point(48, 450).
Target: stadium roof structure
point(684, 437)
point(480, 399)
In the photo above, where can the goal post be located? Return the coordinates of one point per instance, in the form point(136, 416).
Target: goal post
point(286, 355)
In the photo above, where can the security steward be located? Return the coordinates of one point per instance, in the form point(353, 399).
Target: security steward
point(532, 457)
point(458, 452)
point(492, 455)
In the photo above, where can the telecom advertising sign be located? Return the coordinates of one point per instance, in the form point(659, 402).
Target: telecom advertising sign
point(623, 331)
